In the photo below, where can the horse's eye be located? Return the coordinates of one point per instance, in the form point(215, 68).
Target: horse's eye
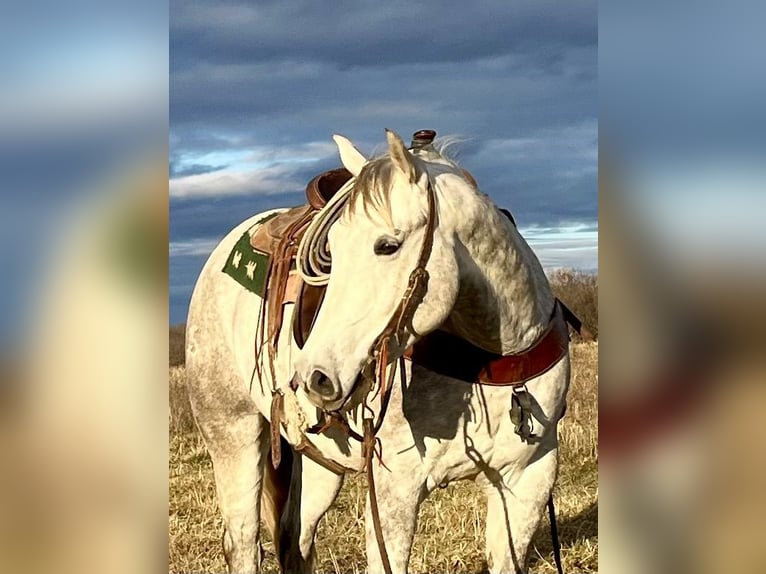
point(386, 246)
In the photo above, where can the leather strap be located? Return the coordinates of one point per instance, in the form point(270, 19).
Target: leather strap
point(369, 455)
point(454, 357)
point(277, 409)
point(418, 282)
point(308, 303)
point(306, 447)
point(280, 270)
point(555, 535)
point(574, 322)
point(400, 323)
point(538, 359)
point(293, 288)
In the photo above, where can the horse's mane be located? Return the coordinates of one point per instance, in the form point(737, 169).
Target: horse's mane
point(372, 189)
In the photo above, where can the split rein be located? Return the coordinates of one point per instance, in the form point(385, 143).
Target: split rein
point(397, 331)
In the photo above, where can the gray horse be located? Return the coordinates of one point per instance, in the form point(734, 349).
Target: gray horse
point(486, 287)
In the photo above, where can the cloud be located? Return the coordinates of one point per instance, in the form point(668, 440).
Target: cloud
point(261, 170)
point(569, 246)
point(466, 97)
point(310, 151)
point(572, 143)
point(270, 180)
point(261, 88)
point(192, 169)
point(363, 34)
point(193, 247)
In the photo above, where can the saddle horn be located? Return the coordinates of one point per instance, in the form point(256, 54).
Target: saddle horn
point(422, 138)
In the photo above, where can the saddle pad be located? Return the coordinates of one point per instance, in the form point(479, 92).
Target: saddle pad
point(248, 266)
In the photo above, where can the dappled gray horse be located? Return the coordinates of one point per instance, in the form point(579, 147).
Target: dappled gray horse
point(484, 287)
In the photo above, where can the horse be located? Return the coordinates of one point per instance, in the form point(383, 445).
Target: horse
point(484, 286)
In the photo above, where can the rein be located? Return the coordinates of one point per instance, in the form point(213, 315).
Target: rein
point(397, 331)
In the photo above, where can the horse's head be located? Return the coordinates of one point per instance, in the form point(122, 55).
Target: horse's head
point(375, 245)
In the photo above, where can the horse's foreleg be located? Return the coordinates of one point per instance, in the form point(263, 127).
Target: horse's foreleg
point(514, 514)
point(399, 496)
point(313, 489)
point(238, 450)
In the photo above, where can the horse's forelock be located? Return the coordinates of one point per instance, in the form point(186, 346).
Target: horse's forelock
point(373, 186)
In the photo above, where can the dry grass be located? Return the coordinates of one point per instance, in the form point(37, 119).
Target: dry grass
point(579, 291)
point(450, 536)
point(177, 345)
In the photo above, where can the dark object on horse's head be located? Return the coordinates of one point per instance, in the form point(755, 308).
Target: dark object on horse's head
point(422, 138)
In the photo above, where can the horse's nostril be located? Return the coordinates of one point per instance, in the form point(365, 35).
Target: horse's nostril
point(321, 384)
point(295, 382)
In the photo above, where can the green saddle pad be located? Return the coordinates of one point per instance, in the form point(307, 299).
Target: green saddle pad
point(248, 266)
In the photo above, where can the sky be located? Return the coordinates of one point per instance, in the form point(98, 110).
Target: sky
point(257, 90)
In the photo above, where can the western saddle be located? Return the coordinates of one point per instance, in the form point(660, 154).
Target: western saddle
point(278, 238)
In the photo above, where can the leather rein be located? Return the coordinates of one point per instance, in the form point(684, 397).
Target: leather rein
point(396, 331)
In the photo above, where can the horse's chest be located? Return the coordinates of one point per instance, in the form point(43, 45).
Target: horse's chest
point(484, 441)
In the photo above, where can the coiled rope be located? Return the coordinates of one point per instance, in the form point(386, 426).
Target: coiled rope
point(313, 257)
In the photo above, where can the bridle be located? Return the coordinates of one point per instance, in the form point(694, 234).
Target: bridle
point(397, 330)
point(400, 325)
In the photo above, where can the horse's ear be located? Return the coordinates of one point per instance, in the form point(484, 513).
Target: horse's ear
point(351, 158)
point(401, 157)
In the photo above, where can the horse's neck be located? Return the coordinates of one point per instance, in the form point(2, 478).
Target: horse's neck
point(504, 302)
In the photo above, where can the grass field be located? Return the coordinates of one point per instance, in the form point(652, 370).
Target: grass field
point(450, 535)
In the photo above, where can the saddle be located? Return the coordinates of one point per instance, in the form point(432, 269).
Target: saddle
point(323, 187)
point(278, 239)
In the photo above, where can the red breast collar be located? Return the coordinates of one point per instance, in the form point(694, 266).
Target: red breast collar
point(454, 357)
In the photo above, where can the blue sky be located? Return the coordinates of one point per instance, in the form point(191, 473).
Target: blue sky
point(256, 92)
